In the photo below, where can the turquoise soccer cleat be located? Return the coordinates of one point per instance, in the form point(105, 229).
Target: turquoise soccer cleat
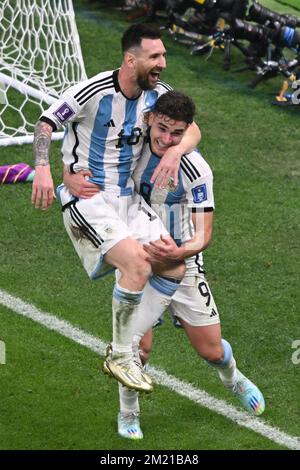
point(129, 426)
point(249, 395)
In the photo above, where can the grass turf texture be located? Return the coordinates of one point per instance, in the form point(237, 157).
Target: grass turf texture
point(292, 4)
point(51, 388)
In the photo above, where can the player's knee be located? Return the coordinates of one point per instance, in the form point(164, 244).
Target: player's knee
point(139, 269)
point(213, 353)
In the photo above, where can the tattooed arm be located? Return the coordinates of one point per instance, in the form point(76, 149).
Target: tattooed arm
point(42, 188)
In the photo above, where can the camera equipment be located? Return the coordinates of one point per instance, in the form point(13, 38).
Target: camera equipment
point(178, 6)
point(250, 32)
point(282, 36)
point(209, 24)
point(263, 15)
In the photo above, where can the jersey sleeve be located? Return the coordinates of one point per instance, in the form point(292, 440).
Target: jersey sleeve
point(66, 109)
point(198, 184)
point(163, 87)
point(200, 194)
point(151, 96)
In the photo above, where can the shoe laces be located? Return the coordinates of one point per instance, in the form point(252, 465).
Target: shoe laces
point(130, 364)
point(129, 419)
point(242, 385)
point(138, 362)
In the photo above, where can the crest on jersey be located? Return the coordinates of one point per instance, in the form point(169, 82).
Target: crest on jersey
point(199, 193)
point(64, 112)
point(171, 186)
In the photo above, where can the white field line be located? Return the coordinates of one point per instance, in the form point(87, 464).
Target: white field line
point(160, 376)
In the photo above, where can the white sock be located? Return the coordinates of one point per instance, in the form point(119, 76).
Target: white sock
point(124, 307)
point(226, 367)
point(228, 374)
point(156, 298)
point(129, 400)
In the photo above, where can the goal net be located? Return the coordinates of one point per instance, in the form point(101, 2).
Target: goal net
point(40, 56)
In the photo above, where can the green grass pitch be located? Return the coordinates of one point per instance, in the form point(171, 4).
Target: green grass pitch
point(52, 394)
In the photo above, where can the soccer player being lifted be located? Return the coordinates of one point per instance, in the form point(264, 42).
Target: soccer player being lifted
point(105, 125)
point(187, 211)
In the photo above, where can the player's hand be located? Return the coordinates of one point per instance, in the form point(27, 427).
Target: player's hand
point(78, 184)
point(164, 249)
point(42, 195)
point(166, 172)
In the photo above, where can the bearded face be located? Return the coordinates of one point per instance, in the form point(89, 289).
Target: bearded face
point(147, 79)
point(150, 62)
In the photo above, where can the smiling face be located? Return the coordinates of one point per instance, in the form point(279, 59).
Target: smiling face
point(165, 132)
point(150, 61)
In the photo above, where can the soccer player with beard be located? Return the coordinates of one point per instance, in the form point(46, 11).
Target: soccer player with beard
point(105, 124)
point(187, 211)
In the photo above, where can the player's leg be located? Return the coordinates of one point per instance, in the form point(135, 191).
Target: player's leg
point(102, 240)
point(129, 414)
point(194, 305)
point(218, 353)
point(134, 270)
point(147, 226)
point(209, 344)
point(156, 298)
point(145, 346)
point(157, 295)
point(129, 258)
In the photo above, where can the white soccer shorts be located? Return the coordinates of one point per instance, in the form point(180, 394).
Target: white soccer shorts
point(193, 302)
point(97, 224)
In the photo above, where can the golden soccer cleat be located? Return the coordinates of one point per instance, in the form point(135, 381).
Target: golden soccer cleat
point(128, 371)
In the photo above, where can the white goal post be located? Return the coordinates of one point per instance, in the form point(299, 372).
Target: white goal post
point(40, 57)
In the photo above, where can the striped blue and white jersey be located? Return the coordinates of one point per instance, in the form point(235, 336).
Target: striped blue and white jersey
point(175, 206)
point(104, 129)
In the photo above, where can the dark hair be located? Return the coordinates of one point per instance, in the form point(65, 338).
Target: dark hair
point(177, 106)
point(135, 33)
